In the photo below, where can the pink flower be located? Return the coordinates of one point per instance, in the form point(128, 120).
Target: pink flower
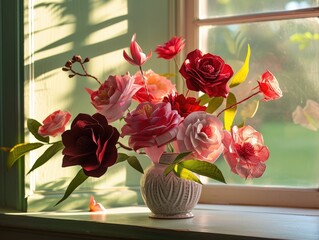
point(308, 116)
point(114, 96)
point(245, 152)
point(202, 134)
point(269, 86)
point(54, 123)
point(151, 125)
point(138, 57)
point(157, 85)
point(171, 48)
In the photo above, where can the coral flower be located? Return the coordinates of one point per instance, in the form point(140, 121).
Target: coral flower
point(269, 86)
point(158, 87)
point(95, 206)
point(245, 152)
point(138, 57)
point(171, 48)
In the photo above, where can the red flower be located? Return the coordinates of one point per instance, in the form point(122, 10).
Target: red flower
point(138, 57)
point(90, 143)
point(54, 123)
point(245, 152)
point(207, 73)
point(269, 86)
point(184, 105)
point(171, 48)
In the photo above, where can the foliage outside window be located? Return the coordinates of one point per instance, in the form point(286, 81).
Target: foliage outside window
point(284, 37)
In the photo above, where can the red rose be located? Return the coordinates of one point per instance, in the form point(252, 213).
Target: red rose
point(184, 105)
point(90, 143)
point(207, 73)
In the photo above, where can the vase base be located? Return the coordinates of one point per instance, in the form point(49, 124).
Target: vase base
point(176, 216)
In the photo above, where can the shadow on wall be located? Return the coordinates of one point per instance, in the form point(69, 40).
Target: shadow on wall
point(99, 29)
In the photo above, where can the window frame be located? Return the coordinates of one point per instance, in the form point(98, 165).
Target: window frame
point(188, 23)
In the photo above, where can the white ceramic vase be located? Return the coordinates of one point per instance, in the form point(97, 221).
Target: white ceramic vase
point(168, 196)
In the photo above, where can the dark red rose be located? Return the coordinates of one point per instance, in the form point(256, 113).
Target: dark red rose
point(90, 143)
point(184, 105)
point(207, 73)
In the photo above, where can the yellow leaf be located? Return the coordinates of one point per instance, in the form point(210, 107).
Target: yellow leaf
point(230, 113)
point(241, 75)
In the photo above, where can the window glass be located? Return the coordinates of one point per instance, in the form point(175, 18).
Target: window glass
point(290, 50)
point(215, 8)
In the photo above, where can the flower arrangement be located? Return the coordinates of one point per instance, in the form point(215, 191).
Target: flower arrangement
point(163, 120)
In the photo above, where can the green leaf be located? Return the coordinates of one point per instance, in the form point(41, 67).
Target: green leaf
point(76, 181)
point(178, 158)
point(33, 126)
point(214, 104)
point(230, 114)
point(47, 155)
point(249, 110)
point(133, 161)
point(204, 99)
point(203, 168)
point(19, 150)
point(184, 173)
point(121, 157)
point(241, 75)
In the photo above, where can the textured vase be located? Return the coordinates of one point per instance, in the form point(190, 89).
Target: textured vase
point(168, 196)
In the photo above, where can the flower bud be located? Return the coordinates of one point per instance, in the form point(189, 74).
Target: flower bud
point(86, 60)
point(68, 64)
point(65, 69)
point(77, 58)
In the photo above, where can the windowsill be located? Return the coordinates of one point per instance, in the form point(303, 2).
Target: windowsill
point(210, 221)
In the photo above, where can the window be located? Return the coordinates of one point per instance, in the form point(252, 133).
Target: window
point(284, 38)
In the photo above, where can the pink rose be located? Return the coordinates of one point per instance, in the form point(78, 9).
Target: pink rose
point(151, 125)
point(171, 48)
point(245, 152)
point(202, 134)
point(269, 86)
point(114, 96)
point(308, 116)
point(157, 85)
point(54, 123)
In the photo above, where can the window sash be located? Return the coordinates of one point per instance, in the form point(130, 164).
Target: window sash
point(188, 23)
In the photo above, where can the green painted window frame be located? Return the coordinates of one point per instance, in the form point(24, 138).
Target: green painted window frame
point(11, 101)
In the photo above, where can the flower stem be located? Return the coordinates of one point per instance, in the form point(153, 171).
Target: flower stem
point(85, 73)
point(124, 146)
point(145, 85)
point(235, 104)
point(175, 61)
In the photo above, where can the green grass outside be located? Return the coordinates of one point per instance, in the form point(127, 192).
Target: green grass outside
point(294, 157)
